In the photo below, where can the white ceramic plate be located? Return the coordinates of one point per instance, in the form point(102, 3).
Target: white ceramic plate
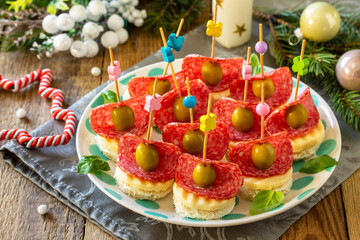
point(304, 185)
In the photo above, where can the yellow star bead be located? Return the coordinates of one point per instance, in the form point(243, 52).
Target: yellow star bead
point(214, 29)
point(208, 122)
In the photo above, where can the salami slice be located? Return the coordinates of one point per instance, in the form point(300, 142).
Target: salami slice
point(139, 86)
point(276, 121)
point(231, 69)
point(217, 143)
point(165, 115)
point(164, 171)
point(226, 185)
point(282, 80)
point(240, 154)
point(224, 109)
point(101, 123)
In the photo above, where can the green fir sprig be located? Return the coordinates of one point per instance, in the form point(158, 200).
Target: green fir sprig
point(322, 56)
point(168, 13)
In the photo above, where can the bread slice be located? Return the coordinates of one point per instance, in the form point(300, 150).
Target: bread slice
point(138, 193)
point(191, 212)
point(249, 193)
point(306, 154)
point(108, 147)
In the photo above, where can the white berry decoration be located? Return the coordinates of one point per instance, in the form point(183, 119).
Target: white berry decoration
point(139, 22)
point(20, 113)
point(62, 42)
point(123, 35)
point(49, 24)
point(115, 22)
point(78, 49)
point(109, 39)
point(42, 209)
point(91, 30)
point(97, 8)
point(136, 13)
point(78, 13)
point(92, 48)
point(65, 22)
point(95, 71)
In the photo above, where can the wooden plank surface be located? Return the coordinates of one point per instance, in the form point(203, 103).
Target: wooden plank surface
point(335, 217)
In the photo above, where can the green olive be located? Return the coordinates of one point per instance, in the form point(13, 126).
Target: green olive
point(162, 87)
point(243, 119)
point(123, 117)
point(181, 112)
point(296, 116)
point(193, 141)
point(211, 73)
point(263, 155)
point(204, 175)
point(147, 157)
point(268, 88)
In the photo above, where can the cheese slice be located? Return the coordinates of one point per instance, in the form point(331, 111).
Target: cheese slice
point(108, 143)
point(313, 138)
point(269, 182)
point(218, 95)
point(197, 202)
point(139, 183)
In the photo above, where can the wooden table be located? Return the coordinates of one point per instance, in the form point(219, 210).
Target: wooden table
point(335, 217)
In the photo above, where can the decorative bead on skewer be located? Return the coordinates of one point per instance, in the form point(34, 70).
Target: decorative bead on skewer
point(207, 123)
point(152, 103)
point(114, 72)
point(174, 42)
point(300, 66)
point(246, 72)
point(261, 48)
point(262, 109)
point(214, 29)
point(189, 101)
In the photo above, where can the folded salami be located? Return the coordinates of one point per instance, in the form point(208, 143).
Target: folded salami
point(281, 89)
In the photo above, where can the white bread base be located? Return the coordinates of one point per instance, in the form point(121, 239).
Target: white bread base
point(249, 193)
point(108, 151)
point(306, 154)
point(141, 194)
point(185, 211)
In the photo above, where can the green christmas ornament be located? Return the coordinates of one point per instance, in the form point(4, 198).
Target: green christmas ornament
point(319, 22)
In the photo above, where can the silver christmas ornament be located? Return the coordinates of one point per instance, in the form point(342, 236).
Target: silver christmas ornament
point(348, 70)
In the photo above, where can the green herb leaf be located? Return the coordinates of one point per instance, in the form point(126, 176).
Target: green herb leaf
point(61, 5)
point(255, 64)
point(265, 200)
point(51, 8)
point(318, 164)
point(109, 96)
point(92, 164)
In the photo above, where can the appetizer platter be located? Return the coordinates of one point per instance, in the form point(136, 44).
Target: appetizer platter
point(303, 184)
point(214, 143)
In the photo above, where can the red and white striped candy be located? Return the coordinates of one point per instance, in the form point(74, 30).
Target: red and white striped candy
point(57, 97)
point(114, 71)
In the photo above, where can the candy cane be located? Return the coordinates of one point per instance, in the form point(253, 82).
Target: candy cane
point(45, 77)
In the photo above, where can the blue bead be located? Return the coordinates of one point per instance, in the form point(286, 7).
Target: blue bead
point(175, 42)
point(189, 102)
point(167, 54)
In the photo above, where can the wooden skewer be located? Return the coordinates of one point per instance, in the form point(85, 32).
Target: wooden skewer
point(298, 75)
point(262, 102)
point(261, 54)
point(171, 66)
point(206, 133)
point(188, 92)
point(246, 81)
point(177, 35)
point(213, 38)
point(151, 113)
point(116, 82)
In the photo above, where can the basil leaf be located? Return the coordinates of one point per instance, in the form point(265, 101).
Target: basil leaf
point(318, 164)
point(255, 64)
point(109, 96)
point(265, 200)
point(92, 164)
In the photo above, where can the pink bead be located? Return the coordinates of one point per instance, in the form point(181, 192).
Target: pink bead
point(261, 47)
point(262, 109)
point(152, 103)
point(246, 71)
point(114, 71)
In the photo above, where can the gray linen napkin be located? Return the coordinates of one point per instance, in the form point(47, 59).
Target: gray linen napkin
point(54, 170)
